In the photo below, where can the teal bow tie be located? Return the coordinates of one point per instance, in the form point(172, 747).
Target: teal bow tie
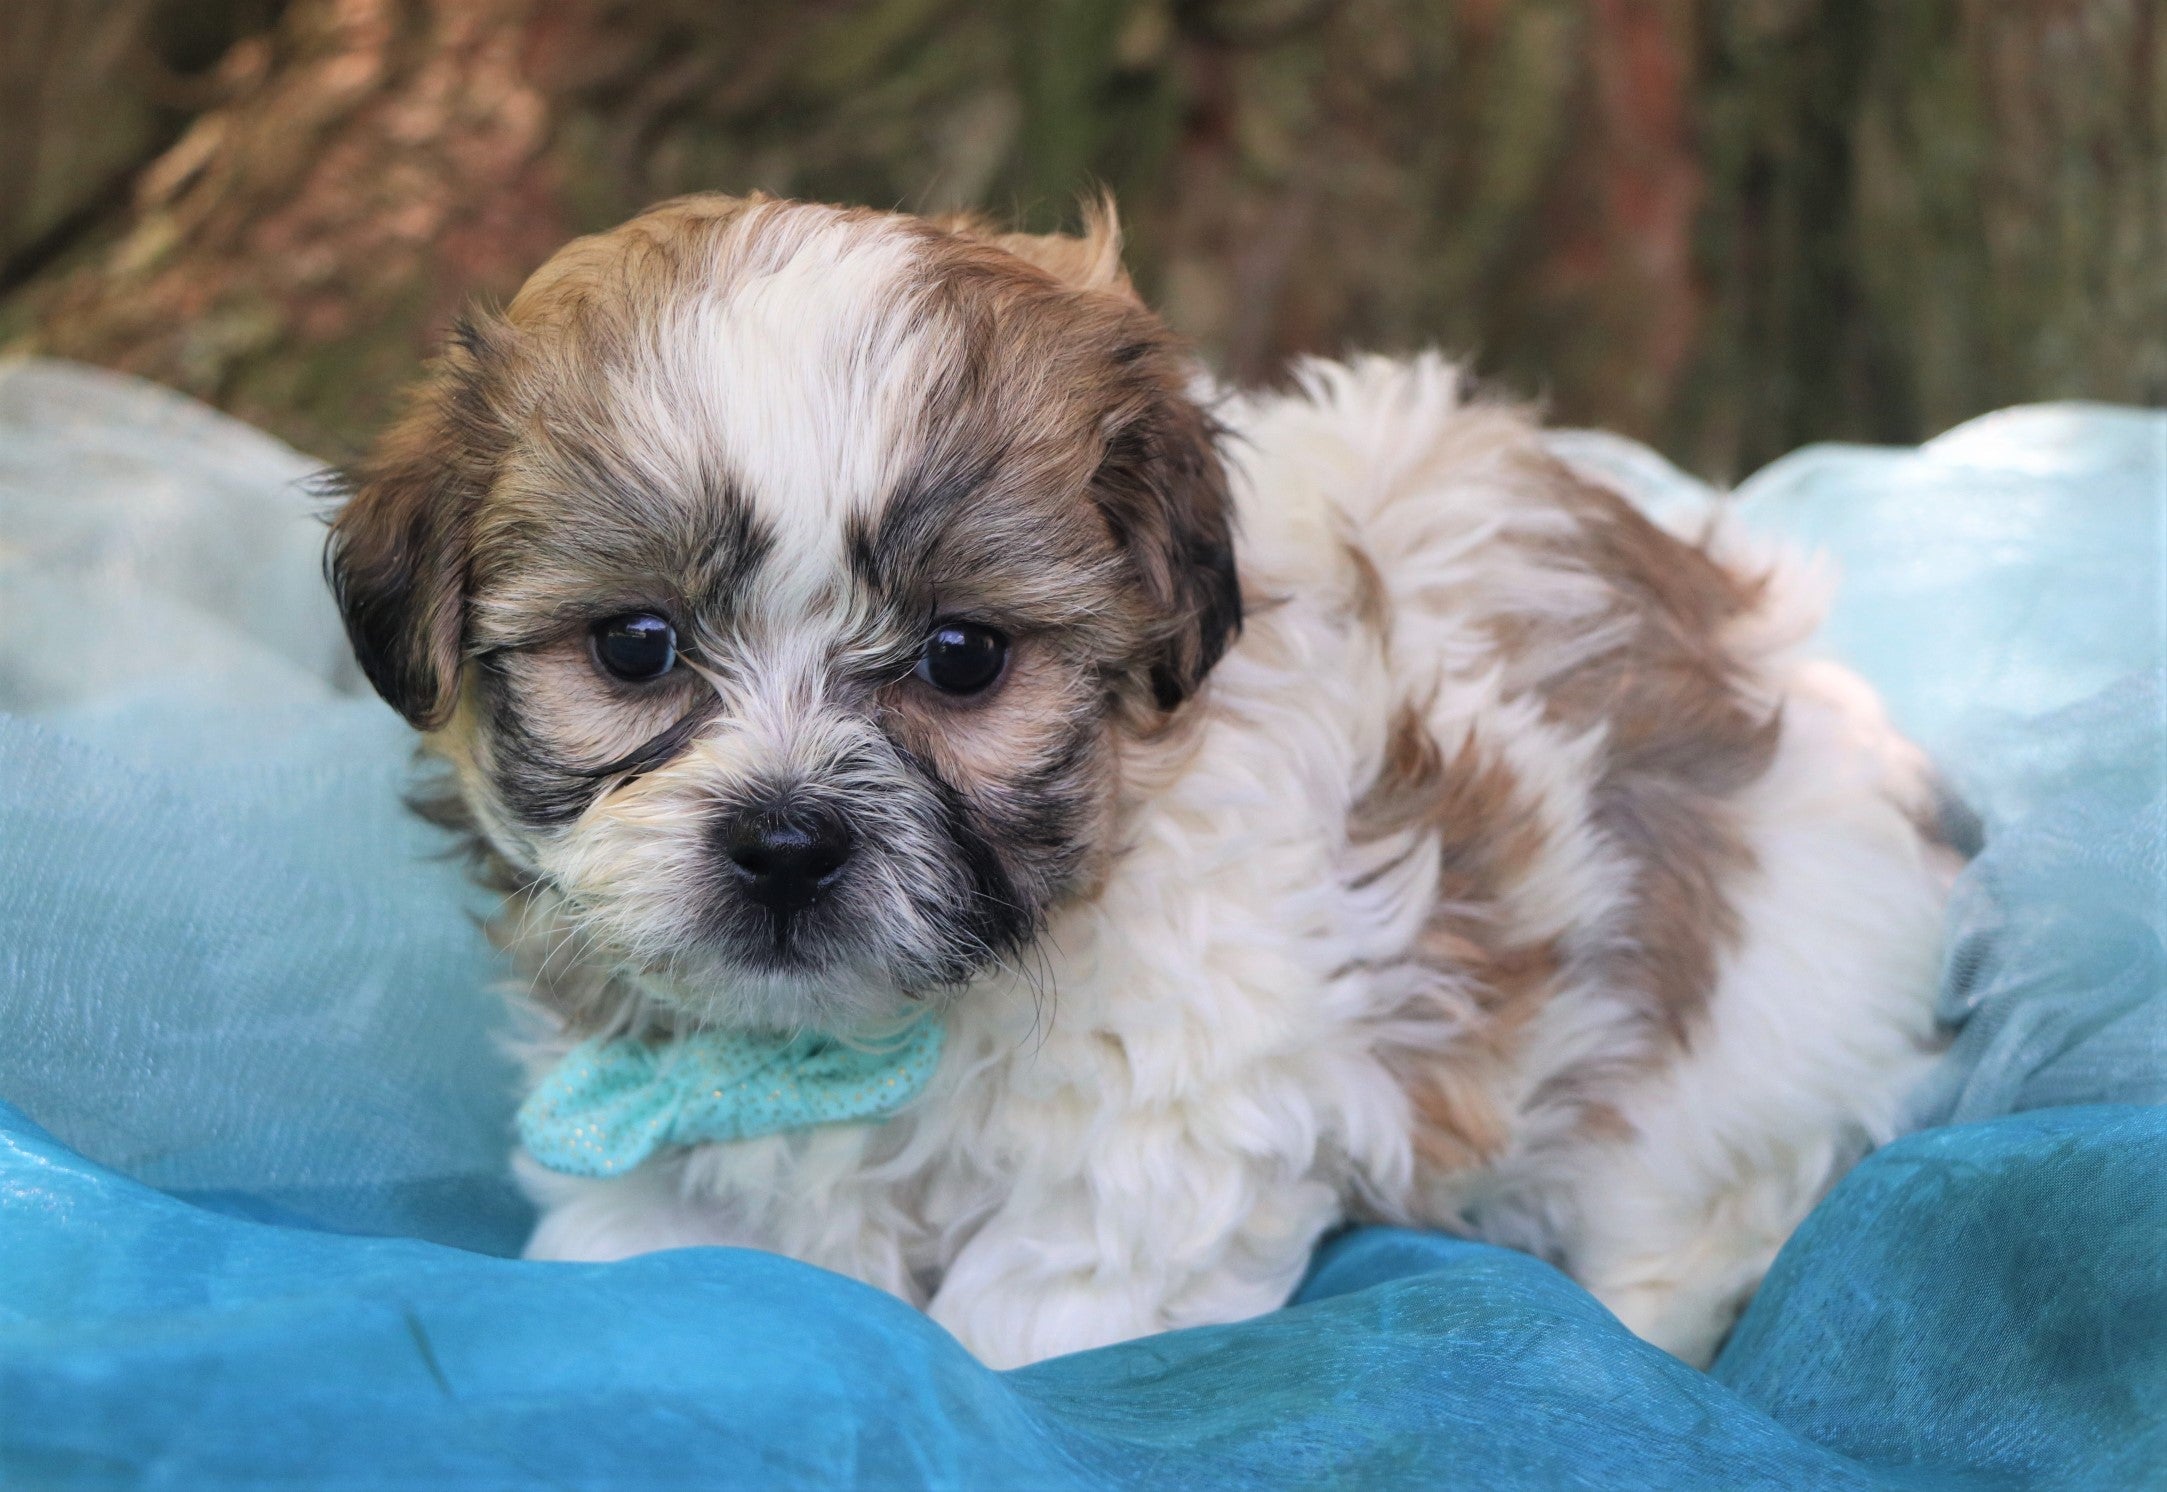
point(610, 1104)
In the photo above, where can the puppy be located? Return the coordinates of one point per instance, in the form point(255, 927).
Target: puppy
point(1288, 807)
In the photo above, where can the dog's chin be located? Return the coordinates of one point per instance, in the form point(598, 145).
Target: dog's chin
point(788, 990)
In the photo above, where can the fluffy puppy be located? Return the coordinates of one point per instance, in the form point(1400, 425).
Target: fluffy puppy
point(1298, 806)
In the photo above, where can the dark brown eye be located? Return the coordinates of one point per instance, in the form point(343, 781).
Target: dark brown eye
point(962, 657)
point(636, 647)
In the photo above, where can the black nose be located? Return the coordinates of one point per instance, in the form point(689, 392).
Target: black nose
point(786, 856)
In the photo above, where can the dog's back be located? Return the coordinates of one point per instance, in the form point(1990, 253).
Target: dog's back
point(1656, 916)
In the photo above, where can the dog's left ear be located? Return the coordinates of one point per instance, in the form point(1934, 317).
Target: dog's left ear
point(1163, 490)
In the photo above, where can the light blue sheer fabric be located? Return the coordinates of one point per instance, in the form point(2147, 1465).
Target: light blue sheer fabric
point(231, 964)
point(235, 987)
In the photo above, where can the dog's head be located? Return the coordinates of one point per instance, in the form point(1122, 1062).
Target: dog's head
point(783, 580)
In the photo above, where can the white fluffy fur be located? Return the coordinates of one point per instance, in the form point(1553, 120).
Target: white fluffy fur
point(1200, 1096)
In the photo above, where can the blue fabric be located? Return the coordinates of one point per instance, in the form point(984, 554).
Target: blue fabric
point(147, 1342)
point(612, 1103)
point(232, 965)
point(245, 1028)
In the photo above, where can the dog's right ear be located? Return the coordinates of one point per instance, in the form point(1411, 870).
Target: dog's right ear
point(397, 553)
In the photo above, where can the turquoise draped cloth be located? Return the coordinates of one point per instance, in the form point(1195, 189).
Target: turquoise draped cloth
point(254, 1222)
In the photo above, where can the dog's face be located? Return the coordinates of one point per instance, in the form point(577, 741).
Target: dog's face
point(783, 581)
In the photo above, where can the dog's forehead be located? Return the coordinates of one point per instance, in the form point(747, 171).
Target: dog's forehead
point(802, 372)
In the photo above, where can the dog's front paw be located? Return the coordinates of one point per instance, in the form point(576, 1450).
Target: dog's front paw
point(1013, 1320)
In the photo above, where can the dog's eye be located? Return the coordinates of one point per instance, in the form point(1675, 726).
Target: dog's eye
point(635, 647)
point(962, 657)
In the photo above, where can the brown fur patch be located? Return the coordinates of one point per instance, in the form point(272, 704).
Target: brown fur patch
point(1681, 738)
point(1470, 811)
point(1058, 354)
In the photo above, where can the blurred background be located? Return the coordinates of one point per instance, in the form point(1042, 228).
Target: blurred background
point(1727, 227)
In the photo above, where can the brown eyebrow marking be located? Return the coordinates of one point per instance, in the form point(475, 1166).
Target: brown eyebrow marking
point(656, 751)
point(886, 553)
point(537, 785)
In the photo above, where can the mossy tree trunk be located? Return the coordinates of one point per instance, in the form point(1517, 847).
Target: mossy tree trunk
point(1725, 227)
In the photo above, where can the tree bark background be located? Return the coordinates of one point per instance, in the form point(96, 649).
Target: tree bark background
point(1728, 227)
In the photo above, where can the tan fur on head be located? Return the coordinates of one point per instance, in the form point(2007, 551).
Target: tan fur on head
point(1090, 260)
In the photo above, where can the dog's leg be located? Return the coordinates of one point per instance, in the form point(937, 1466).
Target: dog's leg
point(1684, 1299)
point(732, 1196)
point(1677, 1256)
point(1052, 1274)
point(593, 1220)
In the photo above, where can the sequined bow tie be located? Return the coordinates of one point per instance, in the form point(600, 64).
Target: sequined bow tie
point(610, 1104)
